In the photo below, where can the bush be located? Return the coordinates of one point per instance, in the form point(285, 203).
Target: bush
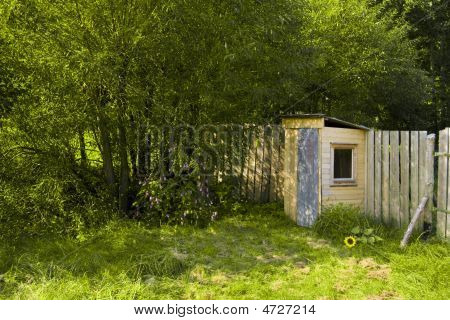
point(339, 221)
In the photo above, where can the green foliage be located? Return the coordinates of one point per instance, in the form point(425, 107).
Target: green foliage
point(365, 235)
point(339, 221)
point(177, 200)
point(82, 83)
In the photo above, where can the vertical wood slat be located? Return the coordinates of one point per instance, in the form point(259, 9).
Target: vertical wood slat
point(422, 171)
point(259, 163)
point(377, 178)
point(404, 178)
point(280, 173)
point(447, 232)
point(443, 183)
point(238, 156)
point(244, 159)
point(251, 164)
point(266, 165)
point(275, 165)
point(227, 150)
point(429, 173)
point(394, 177)
point(414, 172)
point(385, 174)
point(370, 173)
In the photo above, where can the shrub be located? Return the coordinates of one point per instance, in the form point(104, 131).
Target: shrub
point(339, 221)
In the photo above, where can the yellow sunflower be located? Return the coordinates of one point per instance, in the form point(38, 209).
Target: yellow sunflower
point(350, 242)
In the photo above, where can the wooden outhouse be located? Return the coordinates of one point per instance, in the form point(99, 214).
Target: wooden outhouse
point(325, 163)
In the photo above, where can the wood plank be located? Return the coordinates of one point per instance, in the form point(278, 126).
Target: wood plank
point(422, 171)
point(245, 156)
point(447, 232)
point(442, 183)
point(280, 173)
point(251, 164)
point(377, 177)
point(414, 172)
point(228, 150)
point(308, 177)
point(370, 174)
point(239, 155)
point(259, 160)
point(385, 175)
point(290, 174)
point(404, 179)
point(394, 178)
point(429, 163)
point(274, 165)
point(266, 165)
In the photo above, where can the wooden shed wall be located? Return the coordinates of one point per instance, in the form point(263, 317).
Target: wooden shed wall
point(348, 194)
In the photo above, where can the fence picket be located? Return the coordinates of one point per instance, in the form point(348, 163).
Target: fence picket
point(442, 184)
point(385, 173)
point(404, 178)
point(447, 227)
point(394, 177)
point(422, 172)
point(266, 165)
point(280, 172)
point(251, 164)
point(275, 163)
point(414, 168)
point(259, 161)
point(378, 176)
point(370, 173)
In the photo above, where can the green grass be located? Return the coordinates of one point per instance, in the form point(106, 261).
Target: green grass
point(260, 255)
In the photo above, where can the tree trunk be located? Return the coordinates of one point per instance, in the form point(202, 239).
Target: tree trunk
point(124, 167)
point(123, 146)
point(133, 146)
point(105, 140)
point(82, 148)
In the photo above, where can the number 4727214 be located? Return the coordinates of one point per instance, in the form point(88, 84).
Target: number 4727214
point(288, 309)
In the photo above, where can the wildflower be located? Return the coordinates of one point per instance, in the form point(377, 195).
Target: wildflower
point(350, 242)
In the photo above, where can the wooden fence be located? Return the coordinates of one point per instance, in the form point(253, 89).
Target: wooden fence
point(400, 171)
point(443, 189)
point(251, 155)
point(262, 168)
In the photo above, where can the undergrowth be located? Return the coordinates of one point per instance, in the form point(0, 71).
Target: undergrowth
point(258, 254)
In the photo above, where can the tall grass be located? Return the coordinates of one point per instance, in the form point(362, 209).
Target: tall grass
point(258, 254)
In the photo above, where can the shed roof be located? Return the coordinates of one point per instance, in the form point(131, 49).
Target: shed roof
point(329, 121)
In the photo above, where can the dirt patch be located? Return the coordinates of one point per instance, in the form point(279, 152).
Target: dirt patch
point(380, 274)
point(277, 285)
point(384, 295)
point(375, 270)
point(317, 243)
point(270, 258)
point(220, 278)
point(302, 267)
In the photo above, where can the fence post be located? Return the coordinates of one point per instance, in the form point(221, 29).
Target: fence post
point(429, 178)
point(443, 182)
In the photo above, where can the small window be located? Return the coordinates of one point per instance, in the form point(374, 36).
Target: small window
point(343, 163)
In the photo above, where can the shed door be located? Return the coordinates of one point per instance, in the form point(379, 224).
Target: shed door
point(308, 177)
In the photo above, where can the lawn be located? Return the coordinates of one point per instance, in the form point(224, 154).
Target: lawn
point(258, 255)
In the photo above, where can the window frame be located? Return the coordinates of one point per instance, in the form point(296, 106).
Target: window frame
point(344, 181)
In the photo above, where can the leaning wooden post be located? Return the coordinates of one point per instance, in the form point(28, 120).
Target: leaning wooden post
point(413, 222)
